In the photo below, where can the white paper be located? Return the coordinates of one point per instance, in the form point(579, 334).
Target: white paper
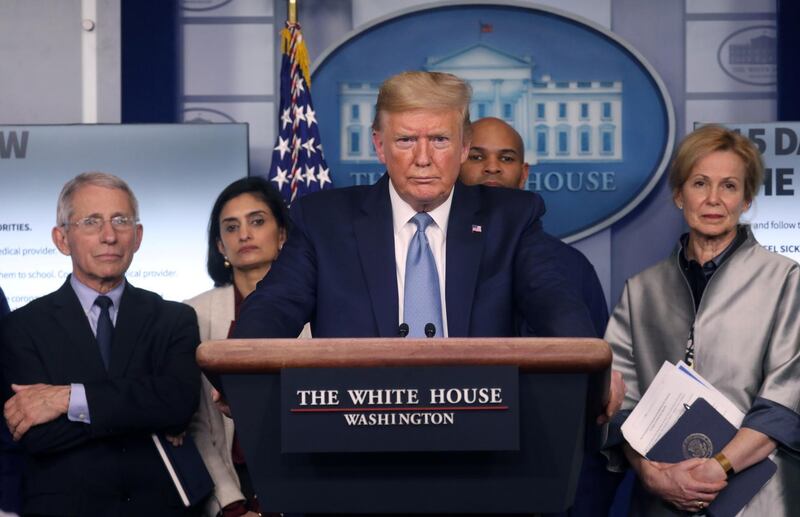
point(673, 388)
point(718, 401)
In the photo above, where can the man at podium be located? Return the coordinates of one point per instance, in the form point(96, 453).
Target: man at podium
point(415, 254)
point(417, 251)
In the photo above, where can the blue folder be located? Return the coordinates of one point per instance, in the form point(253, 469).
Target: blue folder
point(186, 468)
point(702, 432)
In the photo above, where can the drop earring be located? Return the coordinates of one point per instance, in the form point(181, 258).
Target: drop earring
point(226, 262)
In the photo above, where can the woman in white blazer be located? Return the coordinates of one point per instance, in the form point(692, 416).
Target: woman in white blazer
point(246, 230)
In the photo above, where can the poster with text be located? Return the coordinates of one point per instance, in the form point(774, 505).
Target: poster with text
point(775, 214)
point(176, 172)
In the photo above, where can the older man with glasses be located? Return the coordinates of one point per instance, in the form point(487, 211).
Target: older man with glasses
point(94, 368)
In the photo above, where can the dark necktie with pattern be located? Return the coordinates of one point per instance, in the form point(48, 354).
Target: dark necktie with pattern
point(105, 329)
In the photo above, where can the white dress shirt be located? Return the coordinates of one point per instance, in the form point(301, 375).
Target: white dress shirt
point(404, 230)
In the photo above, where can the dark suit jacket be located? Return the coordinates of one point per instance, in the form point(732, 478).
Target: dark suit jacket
point(337, 269)
point(10, 462)
point(3, 304)
point(582, 279)
point(111, 466)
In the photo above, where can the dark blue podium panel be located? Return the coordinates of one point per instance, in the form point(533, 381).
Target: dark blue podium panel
point(432, 408)
point(540, 477)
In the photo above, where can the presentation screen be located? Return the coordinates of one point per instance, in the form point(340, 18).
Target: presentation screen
point(175, 170)
point(775, 214)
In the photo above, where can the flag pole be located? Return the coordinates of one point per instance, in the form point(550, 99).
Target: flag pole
point(298, 165)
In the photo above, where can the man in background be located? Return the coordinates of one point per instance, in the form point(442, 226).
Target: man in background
point(496, 158)
point(91, 370)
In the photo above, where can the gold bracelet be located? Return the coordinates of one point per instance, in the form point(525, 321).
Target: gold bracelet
point(725, 463)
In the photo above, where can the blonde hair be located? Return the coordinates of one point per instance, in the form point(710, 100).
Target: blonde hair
point(711, 138)
point(417, 89)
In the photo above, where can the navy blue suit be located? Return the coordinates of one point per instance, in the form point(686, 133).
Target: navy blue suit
point(108, 467)
point(337, 269)
point(583, 281)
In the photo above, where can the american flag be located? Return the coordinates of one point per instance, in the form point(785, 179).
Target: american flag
point(298, 165)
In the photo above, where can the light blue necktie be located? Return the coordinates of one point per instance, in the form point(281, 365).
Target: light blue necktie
point(421, 300)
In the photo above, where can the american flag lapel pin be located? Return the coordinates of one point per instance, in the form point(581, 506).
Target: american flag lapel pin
point(476, 228)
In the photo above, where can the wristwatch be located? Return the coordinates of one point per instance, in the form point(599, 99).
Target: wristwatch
point(725, 463)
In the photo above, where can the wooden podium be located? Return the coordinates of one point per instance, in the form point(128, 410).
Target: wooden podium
point(562, 384)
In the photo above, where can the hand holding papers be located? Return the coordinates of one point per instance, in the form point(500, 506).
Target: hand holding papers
point(681, 416)
point(701, 432)
point(674, 388)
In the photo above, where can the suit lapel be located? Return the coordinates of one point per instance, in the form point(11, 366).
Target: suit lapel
point(82, 348)
point(134, 311)
point(465, 234)
point(374, 233)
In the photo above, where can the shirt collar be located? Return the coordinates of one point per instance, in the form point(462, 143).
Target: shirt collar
point(741, 236)
point(402, 212)
point(87, 295)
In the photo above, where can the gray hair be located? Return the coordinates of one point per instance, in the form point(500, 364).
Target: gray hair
point(98, 179)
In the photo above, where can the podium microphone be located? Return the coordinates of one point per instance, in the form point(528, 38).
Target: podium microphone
point(403, 329)
point(430, 329)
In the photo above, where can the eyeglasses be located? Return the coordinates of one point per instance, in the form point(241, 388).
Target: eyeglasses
point(93, 225)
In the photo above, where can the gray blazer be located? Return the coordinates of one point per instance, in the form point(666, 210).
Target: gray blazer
point(746, 341)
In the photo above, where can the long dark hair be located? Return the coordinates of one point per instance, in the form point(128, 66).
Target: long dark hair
point(257, 186)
